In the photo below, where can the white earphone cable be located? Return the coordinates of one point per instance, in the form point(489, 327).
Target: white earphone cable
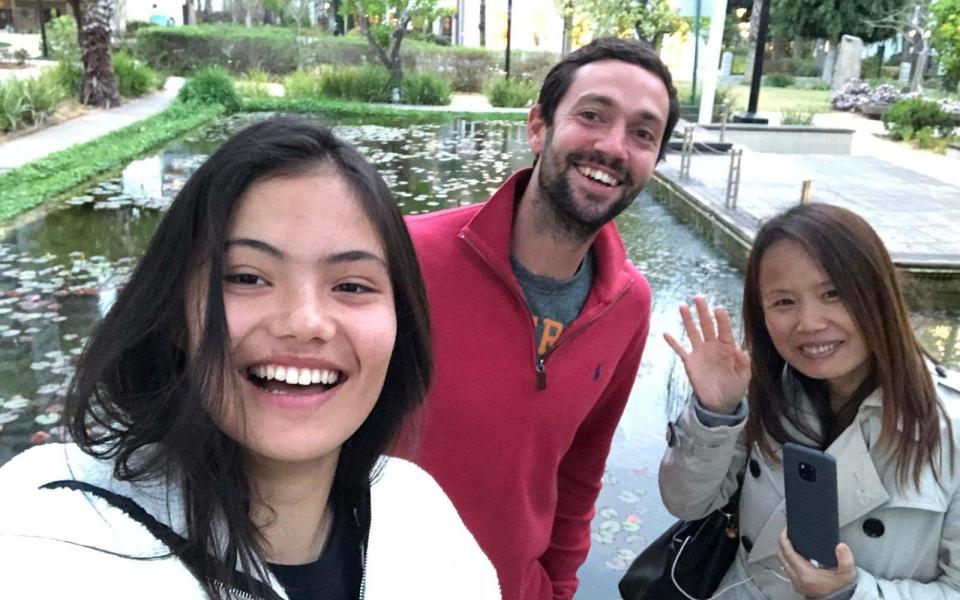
point(673, 576)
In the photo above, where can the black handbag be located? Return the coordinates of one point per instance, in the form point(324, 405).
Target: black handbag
point(709, 546)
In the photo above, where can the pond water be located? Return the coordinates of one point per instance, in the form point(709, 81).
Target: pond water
point(59, 273)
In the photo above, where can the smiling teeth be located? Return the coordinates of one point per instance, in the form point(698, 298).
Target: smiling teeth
point(819, 349)
point(598, 175)
point(295, 376)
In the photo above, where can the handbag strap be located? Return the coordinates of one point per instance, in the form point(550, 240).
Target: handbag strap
point(179, 546)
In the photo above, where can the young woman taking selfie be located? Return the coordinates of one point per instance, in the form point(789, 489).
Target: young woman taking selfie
point(230, 412)
point(832, 363)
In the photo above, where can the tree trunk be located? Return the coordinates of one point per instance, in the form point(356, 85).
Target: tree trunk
point(208, 8)
point(483, 23)
point(916, 80)
point(752, 41)
point(93, 35)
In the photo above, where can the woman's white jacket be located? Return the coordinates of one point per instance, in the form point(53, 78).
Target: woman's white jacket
point(905, 542)
point(418, 546)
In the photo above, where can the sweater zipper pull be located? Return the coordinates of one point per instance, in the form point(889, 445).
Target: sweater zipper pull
point(541, 374)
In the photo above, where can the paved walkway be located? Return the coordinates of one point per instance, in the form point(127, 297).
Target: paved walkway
point(911, 197)
point(30, 147)
point(917, 216)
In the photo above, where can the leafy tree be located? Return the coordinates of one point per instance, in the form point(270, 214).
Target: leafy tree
point(648, 20)
point(384, 23)
point(946, 36)
point(830, 19)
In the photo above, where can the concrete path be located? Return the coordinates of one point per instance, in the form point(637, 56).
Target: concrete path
point(32, 146)
point(917, 216)
point(867, 143)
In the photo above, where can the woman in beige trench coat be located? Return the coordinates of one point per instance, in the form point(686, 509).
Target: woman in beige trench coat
point(832, 363)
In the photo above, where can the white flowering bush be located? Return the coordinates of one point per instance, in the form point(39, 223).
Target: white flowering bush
point(853, 95)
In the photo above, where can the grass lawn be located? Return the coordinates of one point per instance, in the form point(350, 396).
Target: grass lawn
point(772, 99)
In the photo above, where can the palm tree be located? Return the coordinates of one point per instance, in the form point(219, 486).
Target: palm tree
point(93, 34)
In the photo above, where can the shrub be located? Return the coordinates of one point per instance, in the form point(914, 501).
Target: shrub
point(211, 85)
point(29, 101)
point(511, 93)
point(302, 85)
point(69, 74)
point(181, 50)
point(884, 94)
point(424, 88)
point(911, 115)
point(797, 117)
point(256, 76)
point(852, 96)
point(21, 56)
point(254, 84)
point(778, 80)
point(926, 140)
point(364, 84)
point(133, 77)
point(62, 39)
point(134, 26)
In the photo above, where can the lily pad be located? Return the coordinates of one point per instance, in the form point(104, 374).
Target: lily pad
point(46, 419)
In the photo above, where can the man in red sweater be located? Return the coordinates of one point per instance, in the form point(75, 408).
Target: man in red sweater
point(539, 319)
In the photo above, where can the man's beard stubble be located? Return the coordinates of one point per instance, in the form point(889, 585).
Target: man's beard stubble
point(557, 210)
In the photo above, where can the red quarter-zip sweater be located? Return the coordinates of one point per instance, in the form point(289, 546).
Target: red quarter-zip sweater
point(520, 445)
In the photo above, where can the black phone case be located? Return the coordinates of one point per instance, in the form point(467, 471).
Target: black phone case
point(812, 518)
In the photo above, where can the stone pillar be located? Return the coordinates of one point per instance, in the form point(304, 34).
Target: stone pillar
point(726, 63)
point(903, 76)
point(848, 61)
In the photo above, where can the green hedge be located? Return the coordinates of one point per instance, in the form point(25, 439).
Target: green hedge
point(181, 50)
point(28, 186)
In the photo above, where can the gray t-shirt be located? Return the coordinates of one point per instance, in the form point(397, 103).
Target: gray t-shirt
point(554, 303)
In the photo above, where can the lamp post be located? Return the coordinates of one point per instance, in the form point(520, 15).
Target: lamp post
point(751, 115)
point(509, 23)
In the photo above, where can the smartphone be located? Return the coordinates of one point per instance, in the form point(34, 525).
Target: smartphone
point(810, 482)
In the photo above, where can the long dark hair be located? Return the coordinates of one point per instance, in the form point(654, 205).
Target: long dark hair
point(857, 263)
point(139, 398)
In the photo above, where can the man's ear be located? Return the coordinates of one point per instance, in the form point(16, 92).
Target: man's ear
point(536, 130)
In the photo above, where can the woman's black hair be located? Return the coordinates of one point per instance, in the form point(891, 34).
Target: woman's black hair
point(138, 396)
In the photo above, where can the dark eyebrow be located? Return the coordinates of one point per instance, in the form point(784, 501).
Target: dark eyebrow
point(332, 259)
point(256, 245)
point(353, 256)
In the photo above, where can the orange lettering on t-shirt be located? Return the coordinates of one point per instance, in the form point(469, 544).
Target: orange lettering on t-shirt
point(551, 333)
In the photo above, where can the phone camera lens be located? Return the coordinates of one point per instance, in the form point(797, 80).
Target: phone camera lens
point(808, 472)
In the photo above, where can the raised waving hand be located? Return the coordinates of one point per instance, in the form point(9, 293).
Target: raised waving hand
point(717, 367)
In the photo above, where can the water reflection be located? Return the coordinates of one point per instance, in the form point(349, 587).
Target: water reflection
point(60, 273)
